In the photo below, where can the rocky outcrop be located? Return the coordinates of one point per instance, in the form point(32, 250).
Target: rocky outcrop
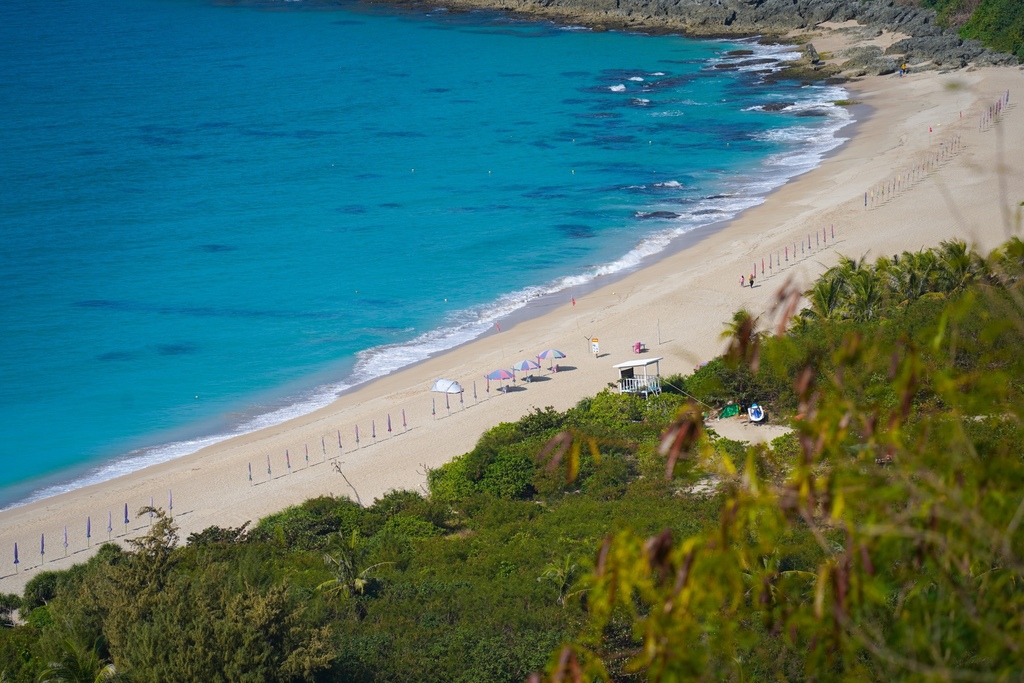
point(721, 18)
point(947, 52)
point(867, 61)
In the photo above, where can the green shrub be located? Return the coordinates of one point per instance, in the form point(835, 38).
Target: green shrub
point(450, 482)
point(309, 525)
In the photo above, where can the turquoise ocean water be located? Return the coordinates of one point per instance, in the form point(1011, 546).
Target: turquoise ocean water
point(217, 217)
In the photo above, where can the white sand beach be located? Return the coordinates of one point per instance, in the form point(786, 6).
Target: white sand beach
point(677, 306)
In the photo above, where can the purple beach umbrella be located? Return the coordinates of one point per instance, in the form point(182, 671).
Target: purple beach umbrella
point(527, 366)
point(550, 355)
point(500, 375)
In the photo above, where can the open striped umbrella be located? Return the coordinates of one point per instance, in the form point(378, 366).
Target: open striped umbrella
point(526, 366)
point(550, 354)
point(500, 375)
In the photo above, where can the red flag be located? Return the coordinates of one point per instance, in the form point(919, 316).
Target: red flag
point(498, 326)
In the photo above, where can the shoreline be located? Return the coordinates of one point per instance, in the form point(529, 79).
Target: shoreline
point(298, 398)
point(685, 296)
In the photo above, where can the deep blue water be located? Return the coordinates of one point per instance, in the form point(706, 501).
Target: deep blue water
point(214, 218)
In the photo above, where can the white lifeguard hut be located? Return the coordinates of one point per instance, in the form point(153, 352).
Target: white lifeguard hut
point(640, 376)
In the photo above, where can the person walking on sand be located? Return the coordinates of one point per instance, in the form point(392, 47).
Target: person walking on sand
point(743, 280)
point(751, 280)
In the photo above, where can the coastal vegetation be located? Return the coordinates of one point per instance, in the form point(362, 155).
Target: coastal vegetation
point(623, 539)
point(998, 24)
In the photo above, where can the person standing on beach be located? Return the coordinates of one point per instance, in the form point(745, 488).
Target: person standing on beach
point(751, 280)
point(743, 280)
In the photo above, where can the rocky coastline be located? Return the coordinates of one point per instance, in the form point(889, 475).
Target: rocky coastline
point(922, 43)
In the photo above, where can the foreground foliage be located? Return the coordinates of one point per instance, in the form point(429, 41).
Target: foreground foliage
point(905, 468)
point(879, 540)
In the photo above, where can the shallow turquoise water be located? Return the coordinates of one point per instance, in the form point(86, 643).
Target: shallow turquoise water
point(216, 217)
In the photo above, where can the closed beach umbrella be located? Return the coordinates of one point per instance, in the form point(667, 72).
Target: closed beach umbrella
point(126, 514)
point(16, 560)
point(550, 355)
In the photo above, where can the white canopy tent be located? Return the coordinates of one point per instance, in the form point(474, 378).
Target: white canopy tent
point(447, 386)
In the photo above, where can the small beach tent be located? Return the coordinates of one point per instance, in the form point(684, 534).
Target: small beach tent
point(640, 376)
point(446, 386)
point(730, 410)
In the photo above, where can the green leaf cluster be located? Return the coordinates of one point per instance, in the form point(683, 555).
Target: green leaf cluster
point(998, 24)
